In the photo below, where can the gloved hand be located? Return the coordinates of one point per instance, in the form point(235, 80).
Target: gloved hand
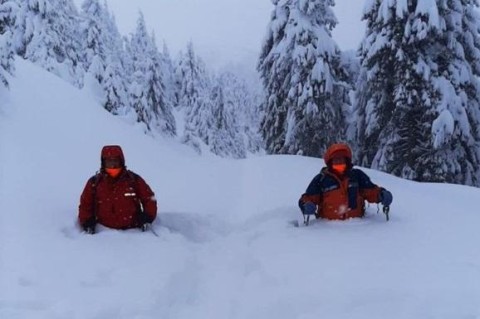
point(309, 208)
point(385, 197)
point(143, 220)
point(89, 226)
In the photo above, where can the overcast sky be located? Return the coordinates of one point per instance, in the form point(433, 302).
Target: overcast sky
point(223, 30)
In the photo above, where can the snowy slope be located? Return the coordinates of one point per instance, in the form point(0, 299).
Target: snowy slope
point(225, 248)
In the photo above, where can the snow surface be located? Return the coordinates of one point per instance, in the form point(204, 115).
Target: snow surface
point(225, 247)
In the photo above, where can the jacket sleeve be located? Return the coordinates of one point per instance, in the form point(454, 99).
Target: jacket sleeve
point(85, 209)
point(147, 198)
point(368, 190)
point(313, 193)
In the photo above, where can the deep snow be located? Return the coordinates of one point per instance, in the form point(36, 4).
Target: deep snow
point(225, 247)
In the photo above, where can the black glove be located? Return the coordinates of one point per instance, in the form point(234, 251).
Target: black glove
point(386, 197)
point(89, 226)
point(143, 220)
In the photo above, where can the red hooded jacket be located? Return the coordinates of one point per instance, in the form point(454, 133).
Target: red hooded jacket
point(116, 202)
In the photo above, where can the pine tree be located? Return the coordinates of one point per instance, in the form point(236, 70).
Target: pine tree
point(306, 89)
point(7, 19)
point(419, 100)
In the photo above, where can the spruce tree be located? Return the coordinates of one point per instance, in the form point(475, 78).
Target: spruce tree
point(419, 100)
point(244, 110)
point(147, 88)
point(47, 35)
point(7, 19)
point(226, 135)
point(350, 62)
point(168, 76)
point(306, 87)
point(158, 103)
point(193, 89)
point(94, 39)
point(115, 79)
point(116, 96)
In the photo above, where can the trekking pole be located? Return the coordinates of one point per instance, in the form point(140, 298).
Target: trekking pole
point(146, 227)
point(386, 211)
point(306, 219)
point(154, 232)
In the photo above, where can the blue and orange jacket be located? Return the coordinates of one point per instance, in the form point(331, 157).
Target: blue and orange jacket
point(340, 197)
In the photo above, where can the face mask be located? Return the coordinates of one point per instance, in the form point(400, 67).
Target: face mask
point(113, 172)
point(339, 168)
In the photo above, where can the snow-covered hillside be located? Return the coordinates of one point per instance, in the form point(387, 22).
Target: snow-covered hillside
point(225, 247)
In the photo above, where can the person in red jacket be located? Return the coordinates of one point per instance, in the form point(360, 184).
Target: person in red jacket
point(116, 197)
point(340, 191)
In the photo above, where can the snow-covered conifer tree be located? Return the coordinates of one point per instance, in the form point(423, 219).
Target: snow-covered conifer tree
point(138, 48)
point(350, 62)
point(157, 102)
point(72, 41)
point(253, 118)
point(7, 18)
point(193, 89)
point(114, 41)
point(116, 95)
point(168, 76)
point(244, 103)
point(114, 79)
point(47, 35)
point(418, 101)
point(147, 89)
point(94, 39)
point(226, 135)
point(305, 89)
